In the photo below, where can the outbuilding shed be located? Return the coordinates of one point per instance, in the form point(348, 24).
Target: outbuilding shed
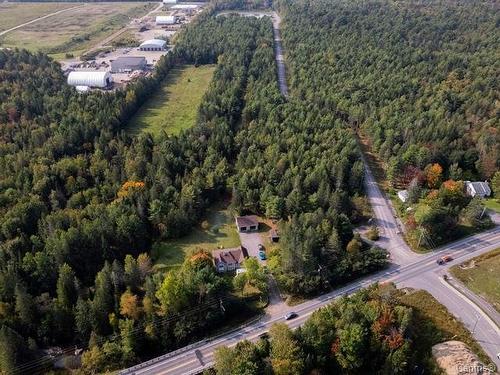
point(91, 79)
point(124, 64)
point(165, 20)
point(153, 45)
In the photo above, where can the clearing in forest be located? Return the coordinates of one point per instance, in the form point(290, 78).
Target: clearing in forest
point(174, 106)
point(217, 230)
point(481, 276)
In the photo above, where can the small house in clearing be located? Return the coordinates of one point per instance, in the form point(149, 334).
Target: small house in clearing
point(247, 223)
point(478, 189)
point(229, 259)
point(403, 195)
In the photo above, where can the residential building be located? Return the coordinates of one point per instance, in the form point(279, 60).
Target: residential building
point(477, 189)
point(229, 259)
point(403, 195)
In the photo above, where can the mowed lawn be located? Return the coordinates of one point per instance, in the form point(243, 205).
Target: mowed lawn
point(217, 230)
point(492, 204)
point(14, 14)
point(76, 29)
point(482, 276)
point(175, 106)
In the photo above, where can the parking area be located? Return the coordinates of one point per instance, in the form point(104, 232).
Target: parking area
point(251, 242)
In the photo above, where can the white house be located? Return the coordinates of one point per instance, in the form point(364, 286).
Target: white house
point(477, 188)
point(403, 195)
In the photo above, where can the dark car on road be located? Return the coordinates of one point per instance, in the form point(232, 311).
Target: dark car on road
point(290, 315)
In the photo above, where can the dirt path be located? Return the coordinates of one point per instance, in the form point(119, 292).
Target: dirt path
point(39, 19)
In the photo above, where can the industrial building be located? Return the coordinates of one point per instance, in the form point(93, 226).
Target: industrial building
point(126, 64)
point(169, 1)
point(91, 79)
point(153, 45)
point(185, 6)
point(165, 20)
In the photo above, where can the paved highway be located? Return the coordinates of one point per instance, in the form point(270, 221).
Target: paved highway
point(423, 273)
point(407, 269)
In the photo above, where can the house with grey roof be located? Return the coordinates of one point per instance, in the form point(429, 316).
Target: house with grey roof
point(477, 189)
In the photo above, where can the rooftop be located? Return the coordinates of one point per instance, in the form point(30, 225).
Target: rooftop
point(246, 221)
point(232, 255)
point(156, 42)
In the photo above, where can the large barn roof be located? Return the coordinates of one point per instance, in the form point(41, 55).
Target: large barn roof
point(165, 19)
point(91, 79)
point(156, 42)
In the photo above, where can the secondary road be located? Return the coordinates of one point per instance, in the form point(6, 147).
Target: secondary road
point(278, 51)
point(390, 232)
point(406, 269)
point(39, 19)
point(422, 273)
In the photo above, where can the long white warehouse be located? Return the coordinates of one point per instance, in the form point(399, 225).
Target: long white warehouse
point(165, 20)
point(91, 79)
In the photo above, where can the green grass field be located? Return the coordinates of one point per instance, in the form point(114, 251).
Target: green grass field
point(218, 229)
point(482, 276)
point(175, 106)
point(492, 204)
point(14, 14)
point(75, 30)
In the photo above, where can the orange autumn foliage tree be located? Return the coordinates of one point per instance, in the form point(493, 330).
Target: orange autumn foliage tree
point(434, 174)
point(130, 186)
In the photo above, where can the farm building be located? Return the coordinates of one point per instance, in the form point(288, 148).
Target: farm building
point(478, 188)
point(153, 45)
point(165, 20)
point(124, 64)
point(90, 79)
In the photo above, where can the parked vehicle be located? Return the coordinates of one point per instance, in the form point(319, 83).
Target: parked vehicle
point(261, 247)
point(262, 255)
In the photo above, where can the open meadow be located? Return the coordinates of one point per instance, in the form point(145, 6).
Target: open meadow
point(174, 106)
point(74, 30)
point(481, 276)
point(218, 229)
point(14, 14)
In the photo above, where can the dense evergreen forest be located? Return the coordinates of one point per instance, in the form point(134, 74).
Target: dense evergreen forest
point(419, 78)
point(81, 202)
point(371, 332)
